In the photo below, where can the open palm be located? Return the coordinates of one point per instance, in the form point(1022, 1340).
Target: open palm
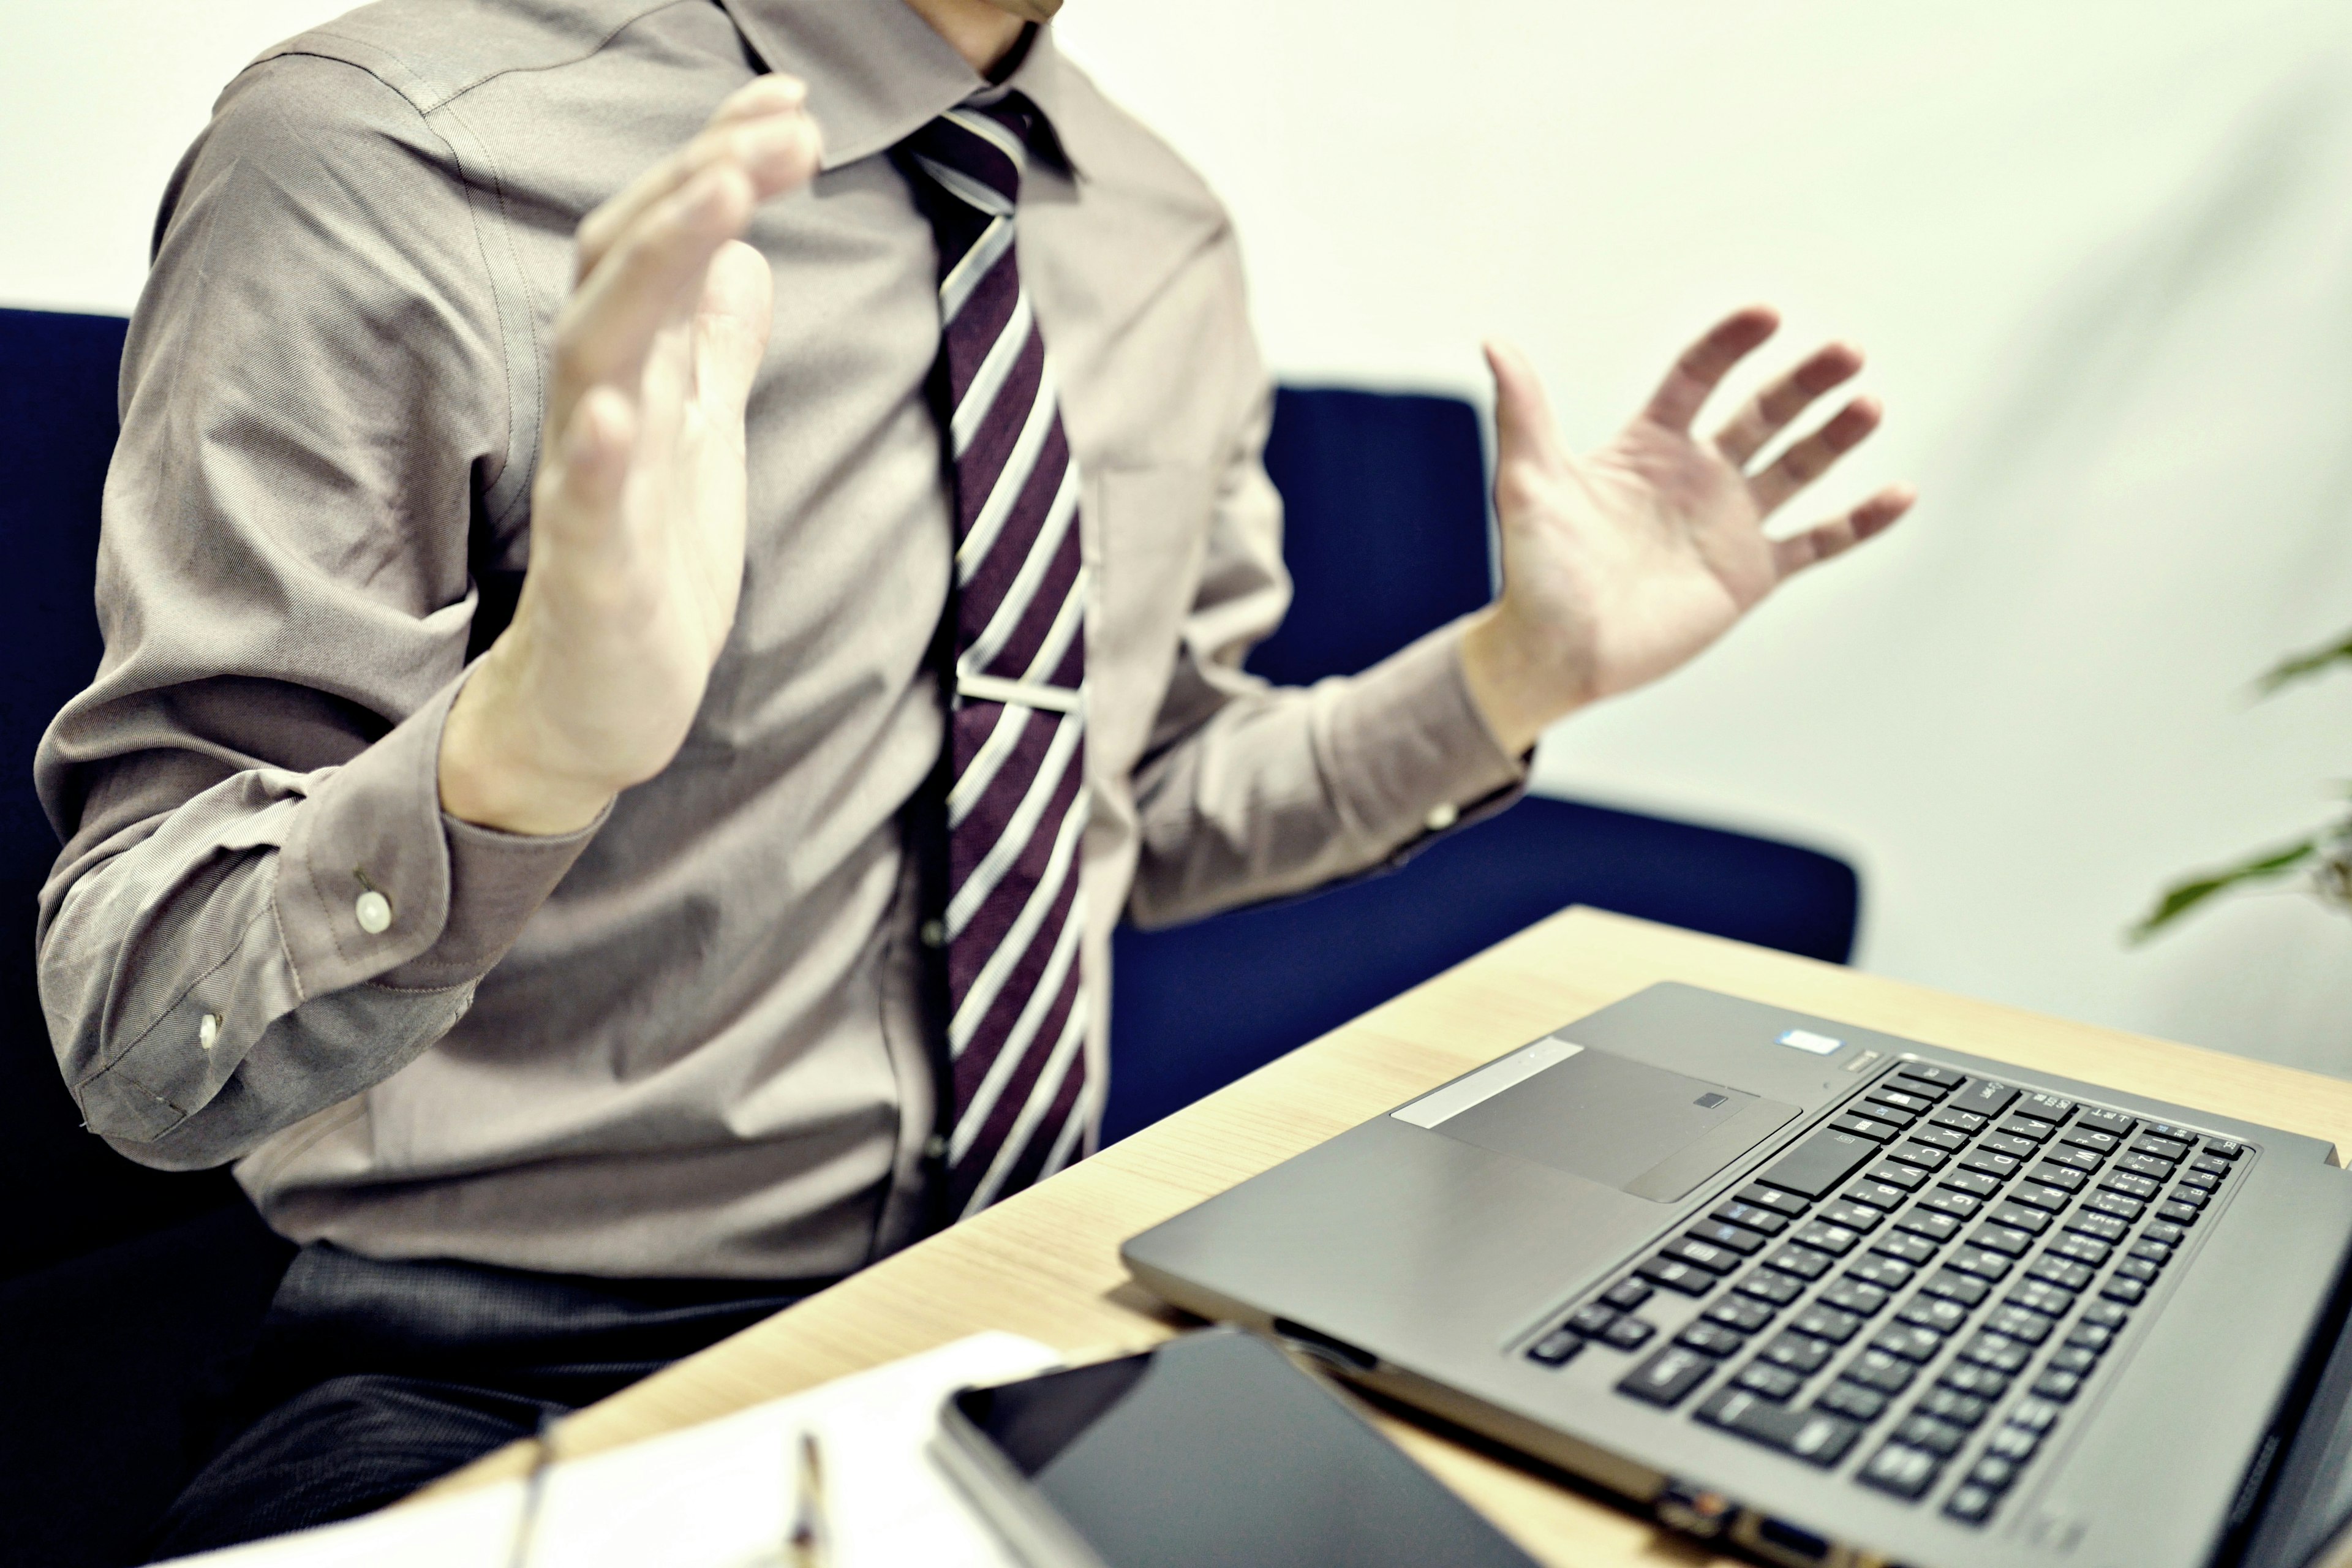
point(1621, 564)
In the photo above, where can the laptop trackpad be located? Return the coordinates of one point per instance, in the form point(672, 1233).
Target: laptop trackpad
point(1640, 1129)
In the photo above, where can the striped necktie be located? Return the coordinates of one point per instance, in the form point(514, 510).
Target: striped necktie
point(1017, 809)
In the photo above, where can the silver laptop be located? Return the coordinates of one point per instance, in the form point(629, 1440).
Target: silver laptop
point(1826, 1294)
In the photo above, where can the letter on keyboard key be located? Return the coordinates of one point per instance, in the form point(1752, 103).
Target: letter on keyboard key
point(1813, 1436)
point(1814, 1167)
point(1907, 1472)
point(1667, 1376)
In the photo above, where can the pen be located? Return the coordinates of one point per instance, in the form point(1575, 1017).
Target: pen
point(809, 1544)
point(534, 1488)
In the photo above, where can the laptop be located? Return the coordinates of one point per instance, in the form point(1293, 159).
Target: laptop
point(1825, 1294)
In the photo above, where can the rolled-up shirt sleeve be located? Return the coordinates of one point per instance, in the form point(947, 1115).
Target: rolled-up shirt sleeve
point(1251, 790)
point(260, 910)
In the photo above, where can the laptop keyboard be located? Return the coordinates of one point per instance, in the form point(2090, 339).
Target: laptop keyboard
point(1928, 1284)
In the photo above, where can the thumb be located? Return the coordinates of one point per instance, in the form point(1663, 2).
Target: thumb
point(731, 324)
point(1524, 428)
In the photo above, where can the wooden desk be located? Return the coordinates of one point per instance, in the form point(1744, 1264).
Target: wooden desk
point(1045, 1263)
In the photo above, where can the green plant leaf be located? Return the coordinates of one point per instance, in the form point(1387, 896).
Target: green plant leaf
point(2303, 664)
point(2182, 897)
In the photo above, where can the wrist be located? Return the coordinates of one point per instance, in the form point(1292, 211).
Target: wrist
point(488, 773)
point(1522, 684)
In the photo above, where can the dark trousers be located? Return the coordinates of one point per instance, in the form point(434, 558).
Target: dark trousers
point(370, 1379)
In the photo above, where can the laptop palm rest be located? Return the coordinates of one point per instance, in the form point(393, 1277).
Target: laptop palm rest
point(1640, 1128)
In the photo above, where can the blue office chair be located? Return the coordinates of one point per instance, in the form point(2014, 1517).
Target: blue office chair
point(1386, 538)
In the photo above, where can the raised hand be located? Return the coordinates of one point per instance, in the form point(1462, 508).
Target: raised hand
point(1621, 566)
point(638, 509)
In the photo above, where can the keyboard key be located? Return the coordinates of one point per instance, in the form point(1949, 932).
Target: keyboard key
point(2084, 1136)
point(1780, 1203)
point(2114, 1122)
point(2064, 1178)
point(1771, 1381)
point(1927, 1156)
point(1864, 1127)
point(2145, 1165)
point(2055, 1385)
point(1951, 1285)
point(1933, 1314)
point(1992, 1164)
point(2033, 1129)
point(2209, 1164)
point(1877, 1371)
point(1819, 1163)
point(2062, 1272)
point(1813, 1436)
point(2048, 1106)
point(1800, 1353)
point(2003, 1239)
point(1915, 1104)
point(1711, 1339)
point(2034, 1415)
point(1855, 1295)
point(2073, 1358)
point(1905, 1471)
point(2162, 1230)
point(2148, 1251)
point(2130, 1292)
point(2198, 1182)
point(2035, 1194)
point(2018, 1216)
point(1556, 1348)
point(2008, 1143)
point(1992, 1472)
point(2074, 1159)
point(2189, 1195)
point(1887, 1173)
point(2090, 1337)
point(2224, 1148)
point(1909, 1249)
point(1628, 1335)
point(1970, 1504)
point(1958, 1120)
point(1675, 1275)
point(1853, 1402)
point(1591, 1320)
point(1998, 1352)
point(1943, 1078)
point(1934, 1227)
point(1744, 1313)
point(1962, 1410)
point(2138, 1269)
point(1861, 1219)
point(1627, 1294)
point(1737, 1238)
point(1886, 1273)
point(1908, 1340)
point(2177, 1213)
point(2106, 1315)
point(1943, 1138)
point(1747, 1216)
point(1938, 1437)
point(1822, 1236)
point(1876, 1195)
point(1770, 1285)
point(2014, 1443)
point(1823, 1322)
point(2100, 1227)
point(1976, 1184)
point(2171, 1151)
point(1984, 1265)
point(2039, 1296)
point(1667, 1378)
point(1986, 1096)
point(2017, 1323)
point(1802, 1261)
point(1959, 1206)
point(1701, 1255)
point(2081, 1249)
point(2131, 1186)
point(2116, 1205)
point(1979, 1382)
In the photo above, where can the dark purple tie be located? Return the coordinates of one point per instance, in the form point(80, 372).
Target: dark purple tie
point(1017, 809)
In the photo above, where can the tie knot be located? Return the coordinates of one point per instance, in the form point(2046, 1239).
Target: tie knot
point(977, 152)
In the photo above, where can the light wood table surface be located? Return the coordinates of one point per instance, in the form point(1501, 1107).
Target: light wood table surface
point(1045, 1263)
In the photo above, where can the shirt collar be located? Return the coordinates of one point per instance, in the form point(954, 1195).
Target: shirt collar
point(876, 72)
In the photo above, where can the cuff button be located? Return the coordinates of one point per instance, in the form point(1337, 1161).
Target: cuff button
point(1442, 817)
point(374, 911)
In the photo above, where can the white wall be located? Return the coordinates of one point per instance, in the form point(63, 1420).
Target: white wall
point(2100, 255)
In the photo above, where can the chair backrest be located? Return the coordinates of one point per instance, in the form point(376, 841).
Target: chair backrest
point(58, 376)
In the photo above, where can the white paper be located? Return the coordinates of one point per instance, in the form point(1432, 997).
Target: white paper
point(721, 1495)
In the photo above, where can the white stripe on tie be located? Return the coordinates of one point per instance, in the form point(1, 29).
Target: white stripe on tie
point(1080, 1114)
point(1018, 831)
point(990, 129)
point(978, 193)
point(985, 253)
point(1067, 622)
point(1018, 464)
point(999, 964)
point(1006, 619)
point(1041, 1100)
point(973, 782)
point(975, 1116)
point(989, 379)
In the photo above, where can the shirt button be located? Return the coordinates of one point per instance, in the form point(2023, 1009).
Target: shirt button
point(1442, 817)
point(934, 934)
point(374, 911)
point(207, 1031)
point(935, 1147)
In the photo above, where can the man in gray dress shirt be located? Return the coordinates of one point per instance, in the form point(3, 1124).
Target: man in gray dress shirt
point(549, 949)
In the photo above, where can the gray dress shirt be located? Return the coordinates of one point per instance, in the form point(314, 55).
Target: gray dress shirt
point(689, 1040)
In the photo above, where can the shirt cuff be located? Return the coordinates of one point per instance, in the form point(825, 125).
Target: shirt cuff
point(1414, 756)
point(376, 883)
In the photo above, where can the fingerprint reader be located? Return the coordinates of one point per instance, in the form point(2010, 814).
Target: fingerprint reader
point(1806, 1040)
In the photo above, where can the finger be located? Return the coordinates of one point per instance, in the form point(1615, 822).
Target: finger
point(763, 128)
point(1773, 409)
point(1706, 362)
point(582, 494)
point(731, 330)
point(1525, 430)
point(606, 327)
point(1840, 534)
point(1810, 458)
